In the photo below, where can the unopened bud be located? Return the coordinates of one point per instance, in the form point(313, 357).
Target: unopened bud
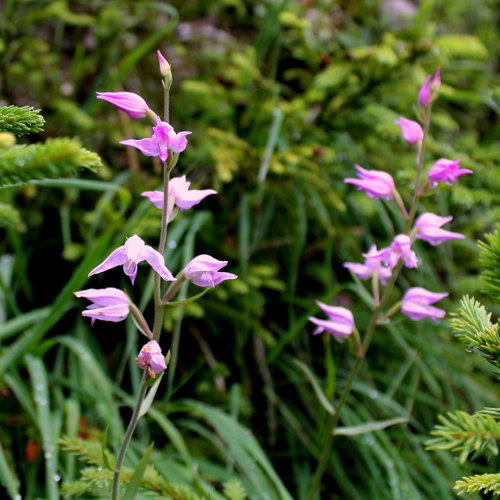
point(436, 81)
point(165, 69)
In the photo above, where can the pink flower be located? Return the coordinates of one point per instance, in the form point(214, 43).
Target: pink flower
point(375, 261)
point(178, 194)
point(151, 357)
point(165, 70)
point(340, 322)
point(401, 249)
point(164, 138)
point(130, 254)
point(411, 131)
point(428, 228)
point(446, 171)
point(203, 270)
point(375, 183)
point(416, 304)
point(108, 304)
point(133, 104)
point(425, 93)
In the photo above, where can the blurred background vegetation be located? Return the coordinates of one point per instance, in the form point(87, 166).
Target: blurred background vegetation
point(283, 98)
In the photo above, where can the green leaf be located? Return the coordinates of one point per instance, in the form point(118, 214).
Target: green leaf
point(30, 338)
point(148, 400)
point(315, 385)
point(188, 301)
point(369, 427)
point(8, 477)
point(39, 384)
point(135, 481)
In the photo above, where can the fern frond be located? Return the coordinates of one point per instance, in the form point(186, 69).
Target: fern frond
point(53, 159)
point(489, 259)
point(480, 483)
point(20, 121)
point(10, 217)
point(234, 490)
point(466, 433)
point(473, 327)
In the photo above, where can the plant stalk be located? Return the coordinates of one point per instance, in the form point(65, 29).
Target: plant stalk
point(115, 492)
point(158, 318)
point(334, 420)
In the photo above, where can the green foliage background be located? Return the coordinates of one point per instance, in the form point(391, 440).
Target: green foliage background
point(318, 84)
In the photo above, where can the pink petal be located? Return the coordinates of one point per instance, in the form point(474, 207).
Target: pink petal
point(148, 147)
point(155, 197)
point(178, 142)
point(116, 258)
point(113, 313)
point(156, 260)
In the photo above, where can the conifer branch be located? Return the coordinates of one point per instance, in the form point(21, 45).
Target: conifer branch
point(464, 433)
point(53, 159)
point(489, 258)
point(480, 483)
point(21, 121)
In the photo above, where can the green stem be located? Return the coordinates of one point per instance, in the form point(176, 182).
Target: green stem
point(158, 320)
point(163, 238)
point(334, 420)
point(115, 492)
point(420, 167)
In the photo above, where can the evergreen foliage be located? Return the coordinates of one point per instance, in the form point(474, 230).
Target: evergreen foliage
point(464, 433)
point(10, 217)
point(234, 490)
point(489, 258)
point(53, 159)
point(97, 480)
point(472, 325)
point(21, 121)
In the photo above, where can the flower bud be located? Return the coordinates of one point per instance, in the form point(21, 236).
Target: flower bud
point(165, 69)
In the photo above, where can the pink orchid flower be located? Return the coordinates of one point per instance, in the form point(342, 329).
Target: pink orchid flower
point(164, 138)
point(340, 322)
point(108, 304)
point(416, 304)
point(203, 270)
point(130, 254)
point(179, 194)
point(428, 228)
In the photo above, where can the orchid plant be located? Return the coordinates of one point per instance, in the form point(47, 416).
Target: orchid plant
point(111, 304)
point(383, 266)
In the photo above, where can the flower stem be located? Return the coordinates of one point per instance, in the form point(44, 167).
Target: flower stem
point(158, 320)
point(115, 492)
point(163, 238)
point(334, 419)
